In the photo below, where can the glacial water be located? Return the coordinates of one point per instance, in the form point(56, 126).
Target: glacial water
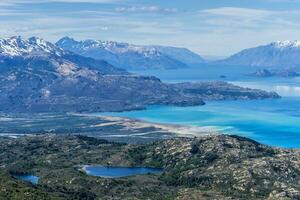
point(118, 172)
point(275, 122)
point(272, 122)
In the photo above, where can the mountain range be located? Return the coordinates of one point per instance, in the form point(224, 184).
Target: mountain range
point(38, 76)
point(280, 55)
point(133, 57)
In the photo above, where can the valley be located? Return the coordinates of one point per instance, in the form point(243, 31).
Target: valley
point(149, 100)
point(84, 118)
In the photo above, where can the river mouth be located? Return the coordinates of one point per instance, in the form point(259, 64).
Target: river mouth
point(119, 172)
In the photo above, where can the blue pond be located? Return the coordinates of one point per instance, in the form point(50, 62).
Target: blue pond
point(272, 122)
point(28, 178)
point(118, 172)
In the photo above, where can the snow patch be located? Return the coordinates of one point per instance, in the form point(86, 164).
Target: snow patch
point(287, 44)
point(12, 77)
point(16, 46)
point(46, 93)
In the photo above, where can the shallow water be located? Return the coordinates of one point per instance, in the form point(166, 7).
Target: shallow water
point(272, 122)
point(117, 172)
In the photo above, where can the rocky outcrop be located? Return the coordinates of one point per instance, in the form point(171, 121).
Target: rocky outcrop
point(236, 166)
point(208, 167)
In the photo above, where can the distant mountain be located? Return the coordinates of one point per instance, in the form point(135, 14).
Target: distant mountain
point(182, 54)
point(272, 73)
point(36, 75)
point(282, 55)
point(36, 54)
point(129, 56)
point(16, 46)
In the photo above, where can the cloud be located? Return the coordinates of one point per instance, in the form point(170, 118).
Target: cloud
point(217, 31)
point(143, 9)
point(14, 2)
point(284, 1)
point(238, 12)
point(13, 13)
point(84, 1)
point(236, 19)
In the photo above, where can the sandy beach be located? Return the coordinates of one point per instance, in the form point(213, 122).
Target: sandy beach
point(131, 124)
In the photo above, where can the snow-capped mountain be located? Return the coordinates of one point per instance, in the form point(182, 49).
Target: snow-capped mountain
point(129, 56)
point(16, 46)
point(281, 54)
point(184, 55)
point(33, 71)
point(36, 75)
point(36, 53)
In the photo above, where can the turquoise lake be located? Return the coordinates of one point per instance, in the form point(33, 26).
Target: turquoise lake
point(272, 122)
point(275, 122)
point(118, 172)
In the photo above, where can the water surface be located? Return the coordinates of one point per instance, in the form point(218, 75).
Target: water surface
point(117, 172)
point(274, 122)
point(28, 178)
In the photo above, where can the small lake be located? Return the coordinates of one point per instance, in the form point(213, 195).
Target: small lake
point(118, 172)
point(28, 178)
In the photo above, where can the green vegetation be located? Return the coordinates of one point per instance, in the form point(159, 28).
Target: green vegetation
point(16, 190)
point(211, 167)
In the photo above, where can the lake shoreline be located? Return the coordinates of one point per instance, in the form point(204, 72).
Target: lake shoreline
point(271, 122)
point(177, 129)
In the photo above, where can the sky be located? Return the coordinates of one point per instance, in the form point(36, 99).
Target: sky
point(208, 27)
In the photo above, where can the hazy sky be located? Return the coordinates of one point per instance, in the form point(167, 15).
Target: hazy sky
point(209, 27)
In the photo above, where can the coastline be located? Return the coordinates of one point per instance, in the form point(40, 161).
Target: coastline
point(132, 124)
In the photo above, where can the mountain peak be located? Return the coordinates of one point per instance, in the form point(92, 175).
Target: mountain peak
point(287, 44)
point(18, 46)
point(66, 40)
point(280, 54)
